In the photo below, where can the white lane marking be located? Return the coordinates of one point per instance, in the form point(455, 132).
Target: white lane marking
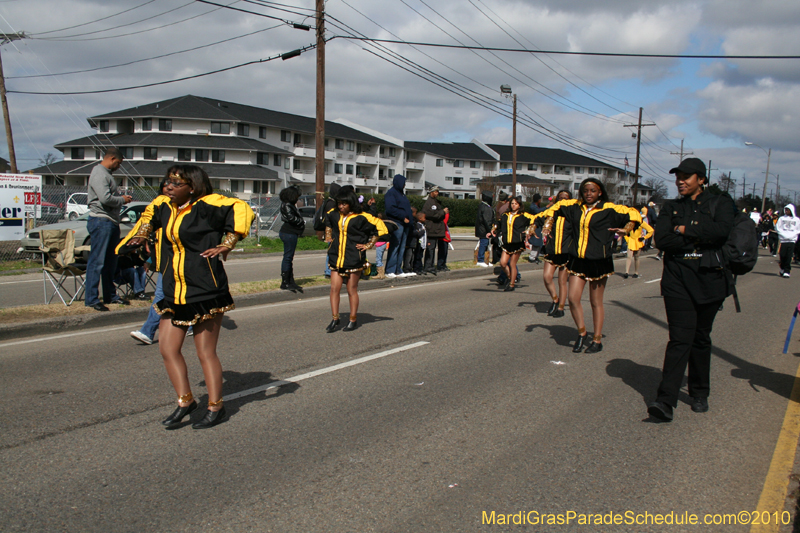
point(321, 371)
point(68, 335)
point(653, 280)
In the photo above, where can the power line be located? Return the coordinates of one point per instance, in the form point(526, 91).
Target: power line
point(93, 21)
point(145, 59)
point(154, 84)
point(561, 52)
point(229, 6)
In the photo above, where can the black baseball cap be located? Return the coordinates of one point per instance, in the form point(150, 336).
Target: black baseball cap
point(690, 165)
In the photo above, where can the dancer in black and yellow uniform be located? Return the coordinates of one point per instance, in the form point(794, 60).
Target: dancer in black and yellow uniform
point(514, 229)
point(199, 229)
point(350, 233)
point(592, 221)
point(556, 256)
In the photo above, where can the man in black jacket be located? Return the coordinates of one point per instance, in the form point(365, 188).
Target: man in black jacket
point(435, 228)
point(483, 227)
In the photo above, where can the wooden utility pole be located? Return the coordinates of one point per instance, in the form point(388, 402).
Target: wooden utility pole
point(514, 151)
point(744, 183)
point(638, 146)
point(320, 129)
point(12, 156)
point(682, 154)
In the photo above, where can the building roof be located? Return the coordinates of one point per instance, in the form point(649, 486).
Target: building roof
point(548, 156)
point(158, 169)
point(212, 109)
point(468, 151)
point(174, 140)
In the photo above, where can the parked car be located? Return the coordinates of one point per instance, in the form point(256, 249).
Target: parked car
point(77, 205)
point(49, 213)
point(129, 215)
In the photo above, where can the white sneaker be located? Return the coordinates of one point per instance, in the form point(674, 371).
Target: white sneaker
point(403, 275)
point(391, 275)
point(482, 264)
point(786, 275)
point(139, 336)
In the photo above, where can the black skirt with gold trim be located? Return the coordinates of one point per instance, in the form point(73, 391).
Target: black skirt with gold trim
point(558, 260)
point(591, 269)
point(512, 248)
point(195, 312)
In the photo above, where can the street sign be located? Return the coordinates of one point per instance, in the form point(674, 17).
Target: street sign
point(12, 214)
point(506, 171)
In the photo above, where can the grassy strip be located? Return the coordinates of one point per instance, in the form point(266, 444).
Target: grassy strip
point(14, 267)
point(11, 315)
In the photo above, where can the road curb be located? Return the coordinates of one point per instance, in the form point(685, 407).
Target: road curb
point(75, 323)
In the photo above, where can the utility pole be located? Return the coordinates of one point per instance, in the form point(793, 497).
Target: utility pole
point(638, 136)
point(12, 156)
point(681, 154)
point(708, 173)
point(514, 150)
point(319, 161)
point(754, 191)
point(744, 182)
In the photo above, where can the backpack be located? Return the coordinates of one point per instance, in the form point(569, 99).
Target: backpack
point(740, 251)
point(319, 217)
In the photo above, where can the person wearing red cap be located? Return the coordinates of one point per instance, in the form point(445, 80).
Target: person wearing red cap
point(691, 231)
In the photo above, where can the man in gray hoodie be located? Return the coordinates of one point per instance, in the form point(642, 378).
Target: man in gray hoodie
point(788, 228)
point(103, 226)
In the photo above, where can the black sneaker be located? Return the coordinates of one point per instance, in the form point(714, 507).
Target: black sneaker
point(700, 405)
point(660, 411)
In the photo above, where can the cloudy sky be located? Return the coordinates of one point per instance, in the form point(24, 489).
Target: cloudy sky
point(579, 103)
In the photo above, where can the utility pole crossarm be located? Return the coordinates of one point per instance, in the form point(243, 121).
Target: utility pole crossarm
point(638, 134)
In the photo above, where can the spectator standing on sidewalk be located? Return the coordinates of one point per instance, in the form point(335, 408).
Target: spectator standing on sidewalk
point(483, 227)
point(291, 230)
point(788, 228)
point(398, 210)
point(103, 226)
point(500, 208)
point(435, 228)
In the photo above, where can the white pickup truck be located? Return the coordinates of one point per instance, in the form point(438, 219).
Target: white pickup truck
point(77, 204)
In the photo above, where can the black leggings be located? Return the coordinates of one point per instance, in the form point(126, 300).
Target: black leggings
point(689, 345)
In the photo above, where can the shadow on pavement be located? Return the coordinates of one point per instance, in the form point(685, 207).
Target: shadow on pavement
point(563, 335)
point(756, 375)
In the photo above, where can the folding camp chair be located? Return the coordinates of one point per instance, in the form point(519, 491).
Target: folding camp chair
point(58, 265)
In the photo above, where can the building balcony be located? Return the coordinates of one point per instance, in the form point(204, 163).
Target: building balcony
point(414, 165)
point(364, 159)
point(304, 150)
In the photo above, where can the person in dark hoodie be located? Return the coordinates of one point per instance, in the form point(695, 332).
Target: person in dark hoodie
point(397, 209)
point(435, 228)
point(483, 227)
point(329, 205)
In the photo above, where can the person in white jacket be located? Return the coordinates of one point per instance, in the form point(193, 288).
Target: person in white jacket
point(788, 228)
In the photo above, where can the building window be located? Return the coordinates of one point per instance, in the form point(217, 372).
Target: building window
point(201, 155)
point(440, 162)
point(337, 168)
point(97, 154)
point(286, 162)
point(349, 169)
point(458, 163)
point(127, 152)
point(503, 166)
point(576, 186)
point(165, 124)
point(532, 166)
point(325, 143)
point(262, 132)
point(391, 151)
point(218, 156)
point(458, 181)
point(382, 151)
point(351, 146)
point(286, 136)
point(236, 185)
point(276, 160)
point(448, 178)
point(184, 154)
point(103, 126)
point(147, 124)
point(298, 139)
point(339, 144)
point(262, 158)
point(390, 172)
point(358, 148)
point(223, 128)
point(474, 164)
point(578, 170)
point(519, 166)
point(243, 130)
point(151, 153)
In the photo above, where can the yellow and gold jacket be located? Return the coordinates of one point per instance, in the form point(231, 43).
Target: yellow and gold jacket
point(513, 227)
point(185, 234)
point(587, 229)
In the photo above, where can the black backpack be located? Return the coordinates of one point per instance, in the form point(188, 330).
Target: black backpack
point(319, 217)
point(740, 251)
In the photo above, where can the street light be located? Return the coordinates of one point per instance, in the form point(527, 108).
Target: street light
point(506, 89)
point(766, 176)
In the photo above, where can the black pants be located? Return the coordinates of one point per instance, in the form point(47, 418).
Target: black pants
point(689, 344)
point(441, 254)
point(430, 254)
point(772, 240)
point(787, 251)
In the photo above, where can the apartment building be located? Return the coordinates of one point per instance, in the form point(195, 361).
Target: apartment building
point(255, 151)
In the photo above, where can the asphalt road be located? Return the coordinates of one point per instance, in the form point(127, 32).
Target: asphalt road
point(27, 289)
point(492, 412)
